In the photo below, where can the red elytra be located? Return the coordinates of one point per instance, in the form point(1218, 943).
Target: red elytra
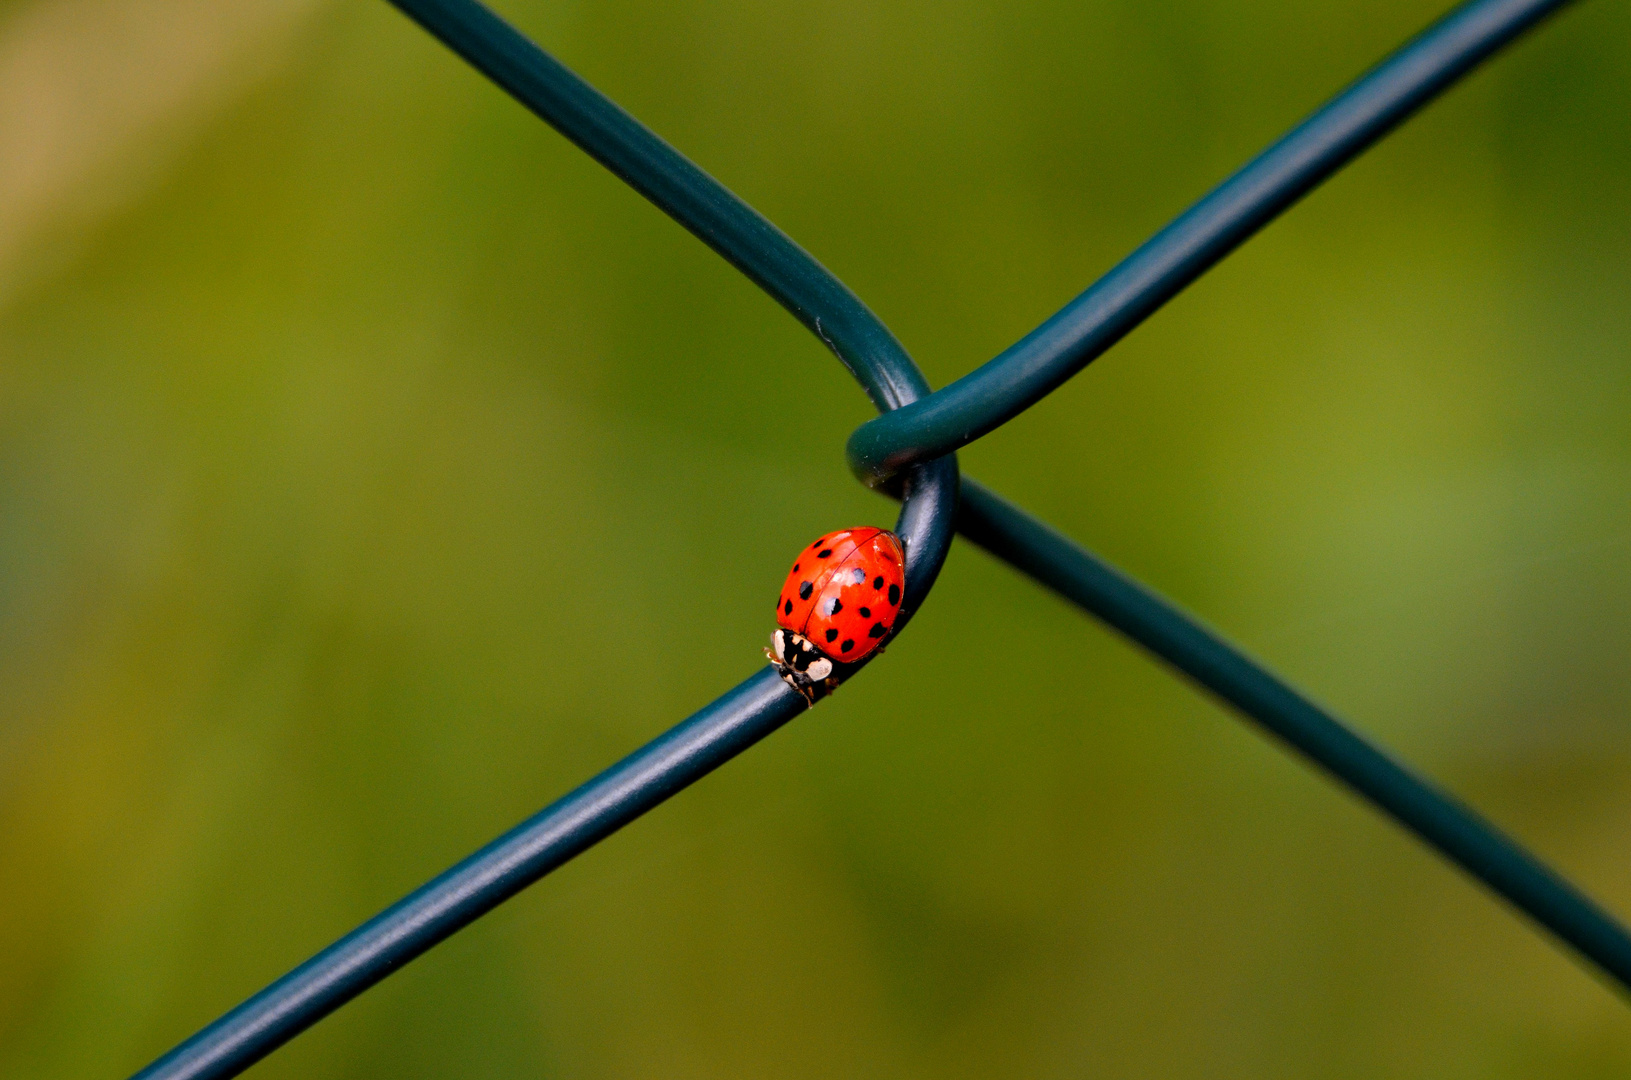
point(844, 592)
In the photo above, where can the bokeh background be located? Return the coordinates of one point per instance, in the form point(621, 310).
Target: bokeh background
point(357, 434)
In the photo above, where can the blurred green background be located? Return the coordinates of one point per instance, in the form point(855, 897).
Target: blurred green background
point(353, 425)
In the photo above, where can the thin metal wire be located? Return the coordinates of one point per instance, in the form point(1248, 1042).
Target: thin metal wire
point(566, 828)
point(483, 881)
point(1260, 191)
point(928, 514)
point(1183, 641)
point(713, 213)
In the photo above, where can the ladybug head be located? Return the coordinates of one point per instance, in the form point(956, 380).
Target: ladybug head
point(801, 664)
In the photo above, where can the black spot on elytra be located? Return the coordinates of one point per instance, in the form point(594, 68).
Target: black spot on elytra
point(877, 582)
point(857, 575)
point(866, 613)
point(878, 630)
point(823, 553)
point(832, 635)
point(795, 568)
point(804, 590)
point(788, 609)
point(836, 607)
point(894, 595)
point(849, 644)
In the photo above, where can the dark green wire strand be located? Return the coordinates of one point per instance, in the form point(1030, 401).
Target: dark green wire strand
point(1196, 240)
point(1203, 656)
point(641, 159)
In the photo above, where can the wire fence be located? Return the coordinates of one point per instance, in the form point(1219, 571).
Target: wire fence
point(908, 451)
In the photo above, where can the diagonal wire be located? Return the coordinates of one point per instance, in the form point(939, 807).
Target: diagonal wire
point(603, 130)
point(481, 882)
point(566, 828)
point(1135, 288)
point(1182, 641)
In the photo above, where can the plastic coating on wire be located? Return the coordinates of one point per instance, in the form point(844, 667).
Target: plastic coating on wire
point(1260, 191)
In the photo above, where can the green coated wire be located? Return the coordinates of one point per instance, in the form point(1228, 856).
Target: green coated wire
point(1145, 617)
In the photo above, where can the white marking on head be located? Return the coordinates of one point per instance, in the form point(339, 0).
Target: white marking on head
point(778, 645)
point(820, 669)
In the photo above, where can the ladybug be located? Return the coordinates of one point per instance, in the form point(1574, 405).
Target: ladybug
point(841, 599)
